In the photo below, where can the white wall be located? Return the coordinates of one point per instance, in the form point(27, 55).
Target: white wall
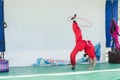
point(40, 28)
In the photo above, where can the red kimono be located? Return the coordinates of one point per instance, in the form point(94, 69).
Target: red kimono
point(80, 44)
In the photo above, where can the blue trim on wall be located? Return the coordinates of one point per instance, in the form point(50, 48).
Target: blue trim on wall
point(111, 12)
point(2, 37)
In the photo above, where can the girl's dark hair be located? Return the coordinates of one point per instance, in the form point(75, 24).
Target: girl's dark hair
point(113, 28)
point(84, 55)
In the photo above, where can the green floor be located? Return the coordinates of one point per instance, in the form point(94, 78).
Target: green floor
point(64, 73)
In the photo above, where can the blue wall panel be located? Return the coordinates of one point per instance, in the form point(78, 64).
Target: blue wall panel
point(111, 12)
point(2, 37)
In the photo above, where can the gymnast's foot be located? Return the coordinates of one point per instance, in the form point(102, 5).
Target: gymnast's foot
point(73, 17)
point(73, 67)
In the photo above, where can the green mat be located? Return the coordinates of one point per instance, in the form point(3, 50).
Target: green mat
point(102, 71)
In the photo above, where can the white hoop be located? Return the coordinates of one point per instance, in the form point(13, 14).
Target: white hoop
point(81, 21)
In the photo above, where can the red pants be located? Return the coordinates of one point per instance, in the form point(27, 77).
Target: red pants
point(78, 47)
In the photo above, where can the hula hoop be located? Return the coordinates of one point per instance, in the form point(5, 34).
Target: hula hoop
point(78, 19)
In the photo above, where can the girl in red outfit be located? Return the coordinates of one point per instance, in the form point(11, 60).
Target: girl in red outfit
point(80, 44)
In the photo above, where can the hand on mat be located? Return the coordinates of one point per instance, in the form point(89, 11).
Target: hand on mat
point(90, 68)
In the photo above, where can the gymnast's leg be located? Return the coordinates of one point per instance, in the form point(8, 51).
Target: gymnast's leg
point(73, 56)
point(78, 47)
